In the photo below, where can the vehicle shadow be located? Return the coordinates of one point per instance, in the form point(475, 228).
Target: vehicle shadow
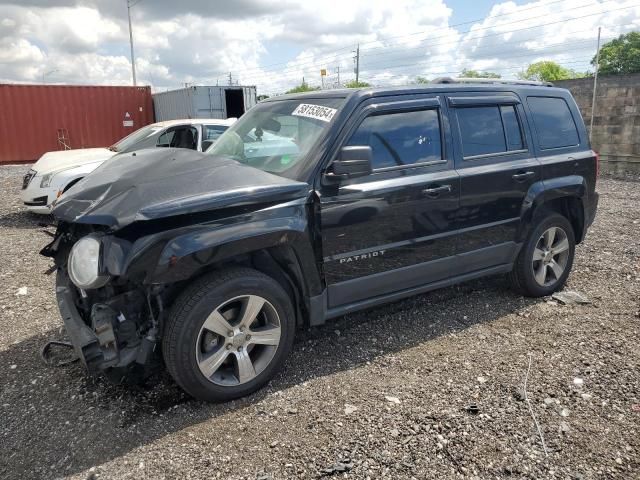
point(57, 421)
point(27, 220)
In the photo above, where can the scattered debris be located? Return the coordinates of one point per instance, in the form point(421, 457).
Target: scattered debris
point(578, 382)
point(565, 412)
point(22, 291)
point(518, 394)
point(392, 399)
point(473, 409)
point(568, 297)
point(482, 379)
point(338, 467)
point(349, 409)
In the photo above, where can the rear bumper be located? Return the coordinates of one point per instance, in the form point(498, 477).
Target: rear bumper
point(590, 207)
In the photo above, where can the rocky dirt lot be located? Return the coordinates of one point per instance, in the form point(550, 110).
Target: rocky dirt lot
point(430, 387)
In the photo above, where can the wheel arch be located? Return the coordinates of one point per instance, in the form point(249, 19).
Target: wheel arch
point(563, 195)
point(282, 250)
point(72, 183)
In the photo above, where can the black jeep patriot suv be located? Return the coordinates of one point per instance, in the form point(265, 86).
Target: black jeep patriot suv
point(312, 206)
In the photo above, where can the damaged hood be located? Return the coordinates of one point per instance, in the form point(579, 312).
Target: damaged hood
point(158, 183)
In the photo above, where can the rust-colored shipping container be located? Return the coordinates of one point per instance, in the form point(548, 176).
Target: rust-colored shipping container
point(35, 119)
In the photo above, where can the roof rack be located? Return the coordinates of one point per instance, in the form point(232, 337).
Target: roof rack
point(490, 81)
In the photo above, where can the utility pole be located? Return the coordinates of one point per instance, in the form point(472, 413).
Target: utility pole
point(357, 60)
point(133, 58)
point(338, 72)
point(595, 85)
point(230, 79)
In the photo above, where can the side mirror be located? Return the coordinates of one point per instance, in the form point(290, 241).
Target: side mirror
point(352, 161)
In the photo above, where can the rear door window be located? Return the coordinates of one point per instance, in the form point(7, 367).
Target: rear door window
point(481, 131)
point(401, 139)
point(554, 123)
point(489, 130)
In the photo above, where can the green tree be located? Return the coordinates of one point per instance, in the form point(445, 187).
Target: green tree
point(421, 80)
point(303, 87)
point(354, 84)
point(548, 71)
point(466, 73)
point(621, 55)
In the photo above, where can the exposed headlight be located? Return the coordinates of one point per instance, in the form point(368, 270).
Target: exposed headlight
point(84, 264)
point(46, 180)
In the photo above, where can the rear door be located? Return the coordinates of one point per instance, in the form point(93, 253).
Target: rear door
point(497, 166)
point(391, 230)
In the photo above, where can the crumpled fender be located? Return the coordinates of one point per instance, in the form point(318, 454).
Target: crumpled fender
point(183, 254)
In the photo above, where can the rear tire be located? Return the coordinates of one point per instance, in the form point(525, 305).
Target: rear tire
point(546, 258)
point(228, 334)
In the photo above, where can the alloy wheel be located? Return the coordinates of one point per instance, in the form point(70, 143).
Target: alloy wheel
point(238, 340)
point(550, 256)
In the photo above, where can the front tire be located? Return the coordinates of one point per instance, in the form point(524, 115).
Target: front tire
point(546, 258)
point(228, 334)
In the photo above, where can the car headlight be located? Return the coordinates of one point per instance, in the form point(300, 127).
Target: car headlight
point(46, 180)
point(84, 264)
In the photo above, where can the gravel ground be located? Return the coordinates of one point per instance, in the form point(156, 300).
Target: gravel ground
point(381, 394)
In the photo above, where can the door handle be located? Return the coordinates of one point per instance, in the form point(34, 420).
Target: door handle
point(521, 177)
point(434, 192)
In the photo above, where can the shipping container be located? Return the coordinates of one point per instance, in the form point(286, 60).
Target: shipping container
point(35, 119)
point(203, 102)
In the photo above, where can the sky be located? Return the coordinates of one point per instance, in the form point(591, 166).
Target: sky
point(274, 44)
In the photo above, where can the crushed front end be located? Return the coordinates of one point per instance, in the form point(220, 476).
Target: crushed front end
point(114, 324)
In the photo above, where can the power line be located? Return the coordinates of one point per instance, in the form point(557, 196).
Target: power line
point(519, 21)
point(531, 53)
point(423, 32)
point(319, 61)
point(312, 64)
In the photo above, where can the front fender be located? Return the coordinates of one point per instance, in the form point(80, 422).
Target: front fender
point(169, 258)
point(545, 191)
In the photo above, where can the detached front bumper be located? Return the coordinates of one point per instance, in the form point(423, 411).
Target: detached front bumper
point(84, 340)
point(109, 341)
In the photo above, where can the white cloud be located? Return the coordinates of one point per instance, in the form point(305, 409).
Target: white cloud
point(86, 41)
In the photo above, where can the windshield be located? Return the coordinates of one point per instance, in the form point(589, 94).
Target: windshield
point(276, 136)
point(132, 139)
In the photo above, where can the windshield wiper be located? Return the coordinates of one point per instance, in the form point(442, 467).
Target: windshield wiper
point(112, 148)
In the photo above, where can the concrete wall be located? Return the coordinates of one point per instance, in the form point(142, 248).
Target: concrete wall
point(616, 126)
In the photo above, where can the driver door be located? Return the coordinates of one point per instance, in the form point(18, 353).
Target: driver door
point(392, 231)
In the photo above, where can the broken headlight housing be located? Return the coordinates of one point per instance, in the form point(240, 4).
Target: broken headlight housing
point(84, 263)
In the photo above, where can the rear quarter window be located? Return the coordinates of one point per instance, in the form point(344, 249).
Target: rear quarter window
point(555, 125)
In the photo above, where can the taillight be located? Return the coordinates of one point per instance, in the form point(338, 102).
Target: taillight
point(597, 164)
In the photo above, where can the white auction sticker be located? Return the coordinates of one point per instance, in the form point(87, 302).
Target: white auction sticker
point(315, 111)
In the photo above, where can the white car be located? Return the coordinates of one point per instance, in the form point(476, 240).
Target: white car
point(56, 172)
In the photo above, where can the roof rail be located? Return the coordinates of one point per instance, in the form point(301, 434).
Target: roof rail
point(490, 81)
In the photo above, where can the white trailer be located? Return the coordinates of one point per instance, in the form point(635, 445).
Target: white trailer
point(204, 102)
